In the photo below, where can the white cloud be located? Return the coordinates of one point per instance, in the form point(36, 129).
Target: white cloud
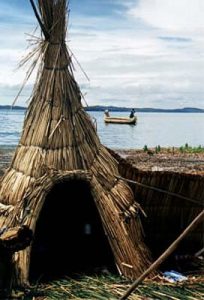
point(135, 67)
point(13, 48)
point(176, 16)
point(142, 60)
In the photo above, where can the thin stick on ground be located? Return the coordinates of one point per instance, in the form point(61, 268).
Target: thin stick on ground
point(171, 248)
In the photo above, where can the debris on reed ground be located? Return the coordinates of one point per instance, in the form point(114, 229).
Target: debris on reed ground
point(165, 160)
point(112, 287)
point(5, 159)
point(174, 276)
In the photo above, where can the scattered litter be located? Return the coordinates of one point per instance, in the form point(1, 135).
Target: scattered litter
point(173, 276)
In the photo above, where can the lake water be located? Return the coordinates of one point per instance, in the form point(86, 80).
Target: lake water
point(152, 129)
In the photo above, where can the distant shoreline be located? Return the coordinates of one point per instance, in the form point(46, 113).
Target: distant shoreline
point(124, 109)
point(145, 109)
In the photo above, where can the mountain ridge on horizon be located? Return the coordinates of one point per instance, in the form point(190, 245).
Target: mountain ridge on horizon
point(121, 109)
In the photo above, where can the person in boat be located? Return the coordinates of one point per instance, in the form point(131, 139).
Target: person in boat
point(106, 112)
point(132, 113)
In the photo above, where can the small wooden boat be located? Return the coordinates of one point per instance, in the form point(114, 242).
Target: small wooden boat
point(120, 120)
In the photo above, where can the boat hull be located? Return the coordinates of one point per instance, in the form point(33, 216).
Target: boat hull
point(120, 120)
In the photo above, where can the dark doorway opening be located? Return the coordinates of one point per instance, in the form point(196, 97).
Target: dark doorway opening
point(69, 237)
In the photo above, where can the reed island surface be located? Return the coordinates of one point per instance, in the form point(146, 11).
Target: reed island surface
point(182, 160)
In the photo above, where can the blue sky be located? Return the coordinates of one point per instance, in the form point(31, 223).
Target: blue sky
point(141, 53)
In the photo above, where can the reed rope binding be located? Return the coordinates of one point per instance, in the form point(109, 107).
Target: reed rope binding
point(160, 190)
point(57, 68)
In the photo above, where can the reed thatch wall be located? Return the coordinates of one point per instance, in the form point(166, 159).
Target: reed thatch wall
point(168, 213)
point(59, 143)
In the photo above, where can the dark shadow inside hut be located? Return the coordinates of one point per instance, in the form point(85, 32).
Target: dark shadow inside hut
point(161, 230)
point(69, 237)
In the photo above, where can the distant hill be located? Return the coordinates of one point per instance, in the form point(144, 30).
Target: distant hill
point(146, 109)
point(12, 107)
point(126, 109)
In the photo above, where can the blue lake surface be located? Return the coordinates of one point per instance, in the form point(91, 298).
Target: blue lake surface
point(152, 129)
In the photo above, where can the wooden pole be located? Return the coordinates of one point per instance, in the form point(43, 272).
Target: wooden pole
point(171, 248)
point(44, 30)
point(201, 251)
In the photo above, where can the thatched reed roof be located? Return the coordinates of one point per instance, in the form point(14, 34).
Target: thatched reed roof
point(59, 143)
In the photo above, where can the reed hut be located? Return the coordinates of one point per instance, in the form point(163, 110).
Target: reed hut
point(62, 182)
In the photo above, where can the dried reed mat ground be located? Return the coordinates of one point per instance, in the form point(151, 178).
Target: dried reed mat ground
point(5, 158)
point(171, 159)
point(112, 287)
point(165, 160)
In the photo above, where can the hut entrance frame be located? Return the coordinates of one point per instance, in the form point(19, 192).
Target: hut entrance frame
point(69, 235)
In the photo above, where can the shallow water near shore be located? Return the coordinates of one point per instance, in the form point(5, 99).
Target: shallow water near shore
point(152, 129)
